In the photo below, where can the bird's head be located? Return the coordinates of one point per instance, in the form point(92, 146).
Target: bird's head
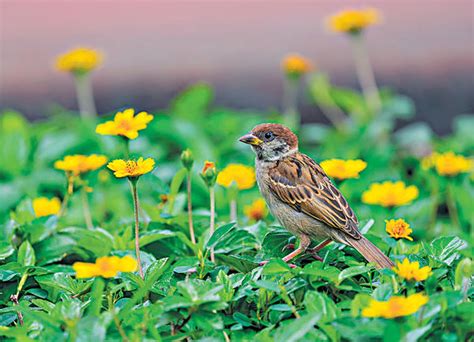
point(271, 142)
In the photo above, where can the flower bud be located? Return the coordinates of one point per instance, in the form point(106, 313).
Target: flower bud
point(209, 173)
point(187, 159)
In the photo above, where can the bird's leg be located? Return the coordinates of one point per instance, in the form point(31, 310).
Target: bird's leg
point(305, 241)
point(314, 251)
point(288, 246)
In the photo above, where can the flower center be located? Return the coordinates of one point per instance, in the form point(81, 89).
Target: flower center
point(131, 166)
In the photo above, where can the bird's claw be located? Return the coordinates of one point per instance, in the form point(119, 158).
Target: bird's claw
point(288, 246)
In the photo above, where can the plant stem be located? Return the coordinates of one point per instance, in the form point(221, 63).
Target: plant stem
point(233, 209)
point(365, 73)
point(127, 147)
point(133, 185)
point(290, 103)
point(86, 209)
point(14, 299)
point(85, 97)
point(452, 208)
point(212, 223)
point(69, 191)
point(190, 209)
point(116, 319)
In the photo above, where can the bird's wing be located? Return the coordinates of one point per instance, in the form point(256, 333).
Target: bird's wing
point(302, 184)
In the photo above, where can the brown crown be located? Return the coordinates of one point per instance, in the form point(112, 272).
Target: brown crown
point(279, 131)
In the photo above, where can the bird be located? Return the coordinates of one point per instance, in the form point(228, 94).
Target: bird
point(301, 196)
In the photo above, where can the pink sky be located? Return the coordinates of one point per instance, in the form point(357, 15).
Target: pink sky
point(201, 40)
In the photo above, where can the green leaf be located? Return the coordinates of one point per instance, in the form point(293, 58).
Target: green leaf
point(276, 266)
point(220, 234)
point(445, 249)
point(26, 254)
point(352, 271)
point(174, 187)
point(296, 329)
point(320, 303)
point(14, 143)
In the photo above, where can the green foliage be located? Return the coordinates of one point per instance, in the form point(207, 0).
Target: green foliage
point(186, 296)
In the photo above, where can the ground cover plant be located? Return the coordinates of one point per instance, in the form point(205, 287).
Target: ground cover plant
point(149, 225)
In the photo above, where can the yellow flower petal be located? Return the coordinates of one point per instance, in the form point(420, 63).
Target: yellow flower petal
point(398, 229)
point(125, 124)
point(296, 65)
point(43, 206)
point(396, 306)
point(80, 60)
point(343, 169)
point(390, 194)
point(448, 164)
point(241, 175)
point(353, 20)
point(131, 168)
point(257, 210)
point(412, 271)
point(106, 267)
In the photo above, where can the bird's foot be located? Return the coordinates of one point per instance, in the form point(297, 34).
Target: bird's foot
point(314, 254)
point(288, 246)
point(314, 251)
point(263, 263)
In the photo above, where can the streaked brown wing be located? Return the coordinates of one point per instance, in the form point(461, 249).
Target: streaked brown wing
point(301, 183)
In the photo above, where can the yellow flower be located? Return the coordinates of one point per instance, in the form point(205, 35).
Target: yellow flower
point(131, 168)
point(241, 175)
point(343, 169)
point(43, 206)
point(106, 267)
point(396, 306)
point(208, 165)
point(257, 210)
point(447, 164)
point(412, 271)
point(353, 20)
point(389, 194)
point(296, 65)
point(78, 163)
point(125, 124)
point(398, 229)
point(80, 60)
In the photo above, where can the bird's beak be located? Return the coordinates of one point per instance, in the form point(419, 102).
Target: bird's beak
point(251, 140)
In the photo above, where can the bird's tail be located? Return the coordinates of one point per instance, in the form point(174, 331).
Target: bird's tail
point(370, 252)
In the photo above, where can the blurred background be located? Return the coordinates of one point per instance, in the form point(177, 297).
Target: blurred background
point(154, 49)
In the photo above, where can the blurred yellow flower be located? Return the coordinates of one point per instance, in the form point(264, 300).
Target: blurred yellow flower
point(106, 267)
point(412, 271)
point(131, 168)
point(125, 124)
point(343, 169)
point(79, 163)
point(241, 175)
point(396, 306)
point(398, 229)
point(296, 65)
point(257, 210)
point(43, 206)
point(447, 164)
point(353, 20)
point(390, 194)
point(80, 60)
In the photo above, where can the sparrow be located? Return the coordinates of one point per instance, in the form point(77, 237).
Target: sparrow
point(302, 197)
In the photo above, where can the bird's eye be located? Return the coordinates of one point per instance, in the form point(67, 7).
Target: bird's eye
point(269, 136)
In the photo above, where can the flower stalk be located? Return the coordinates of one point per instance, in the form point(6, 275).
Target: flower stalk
point(212, 206)
point(85, 97)
point(365, 73)
point(136, 208)
point(86, 208)
point(187, 161)
point(69, 191)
